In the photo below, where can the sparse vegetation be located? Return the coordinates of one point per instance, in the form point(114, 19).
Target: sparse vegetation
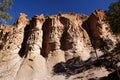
point(4, 6)
point(113, 16)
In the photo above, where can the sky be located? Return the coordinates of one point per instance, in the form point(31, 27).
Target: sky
point(51, 7)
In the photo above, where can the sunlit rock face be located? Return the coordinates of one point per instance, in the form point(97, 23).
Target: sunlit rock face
point(64, 38)
point(33, 66)
point(52, 33)
point(99, 31)
point(75, 38)
point(64, 32)
point(29, 49)
point(11, 38)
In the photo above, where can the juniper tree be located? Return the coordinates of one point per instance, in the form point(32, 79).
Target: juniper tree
point(113, 16)
point(4, 6)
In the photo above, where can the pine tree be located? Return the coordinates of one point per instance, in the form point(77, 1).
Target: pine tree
point(113, 15)
point(4, 6)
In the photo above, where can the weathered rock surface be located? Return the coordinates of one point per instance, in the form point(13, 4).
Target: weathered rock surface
point(10, 46)
point(33, 66)
point(99, 31)
point(29, 49)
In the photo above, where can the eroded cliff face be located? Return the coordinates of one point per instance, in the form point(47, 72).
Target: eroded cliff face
point(64, 38)
point(100, 33)
point(11, 40)
point(30, 48)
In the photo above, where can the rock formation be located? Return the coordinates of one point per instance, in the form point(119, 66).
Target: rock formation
point(11, 40)
point(99, 31)
point(29, 49)
point(34, 64)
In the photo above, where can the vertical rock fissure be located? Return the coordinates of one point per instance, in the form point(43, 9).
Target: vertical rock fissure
point(22, 51)
point(65, 44)
point(46, 31)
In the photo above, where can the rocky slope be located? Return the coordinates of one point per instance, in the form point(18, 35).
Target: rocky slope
point(29, 49)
